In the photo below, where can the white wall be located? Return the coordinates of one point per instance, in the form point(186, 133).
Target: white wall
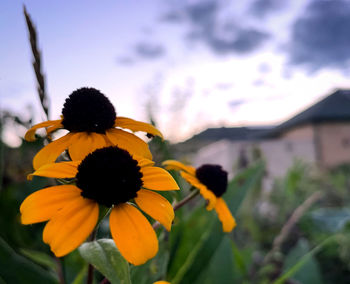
point(279, 154)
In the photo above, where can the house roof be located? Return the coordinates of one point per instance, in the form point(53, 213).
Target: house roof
point(231, 133)
point(335, 107)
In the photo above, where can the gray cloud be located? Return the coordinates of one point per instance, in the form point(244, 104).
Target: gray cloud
point(320, 37)
point(244, 41)
point(194, 36)
point(221, 36)
point(150, 50)
point(237, 103)
point(262, 8)
point(172, 17)
point(202, 13)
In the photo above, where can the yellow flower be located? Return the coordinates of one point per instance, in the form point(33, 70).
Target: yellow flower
point(92, 123)
point(108, 177)
point(211, 181)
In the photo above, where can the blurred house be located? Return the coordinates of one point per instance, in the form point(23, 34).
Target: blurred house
point(318, 136)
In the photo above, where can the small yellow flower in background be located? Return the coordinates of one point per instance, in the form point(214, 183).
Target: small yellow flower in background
point(92, 123)
point(110, 177)
point(211, 181)
point(161, 282)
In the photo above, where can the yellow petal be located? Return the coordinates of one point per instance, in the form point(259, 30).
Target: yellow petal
point(143, 162)
point(129, 142)
point(156, 206)
point(203, 190)
point(135, 125)
point(161, 282)
point(176, 165)
point(43, 204)
point(225, 216)
point(30, 134)
point(71, 226)
point(158, 179)
point(54, 127)
point(133, 234)
point(85, 143)
point(57, 170)
point(50, 152)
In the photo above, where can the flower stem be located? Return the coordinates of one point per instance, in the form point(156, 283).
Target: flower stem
point(104, 281)
point(60, 272)
point(185, 200)
point(178, 205)
point(90, 276)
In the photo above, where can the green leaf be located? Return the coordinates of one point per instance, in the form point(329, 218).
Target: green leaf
point(39, 257)
point(331, 219)
point(80, 276)
point(303, 260)
point(239, 260)
point(308, 274)
point(190, 267)
point(2, 281)
point(220, 267)
point(185, 236)
point(241, 185)
point(106, 258)
point(18, 269)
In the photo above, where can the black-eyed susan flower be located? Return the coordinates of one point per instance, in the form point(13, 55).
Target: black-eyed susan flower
point(108, 177)
point(92, 123)
point(211, 181)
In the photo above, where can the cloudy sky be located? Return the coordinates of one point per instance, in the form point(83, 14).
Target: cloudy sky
point(192, 64)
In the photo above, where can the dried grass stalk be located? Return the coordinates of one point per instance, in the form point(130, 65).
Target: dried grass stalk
point(44, 99)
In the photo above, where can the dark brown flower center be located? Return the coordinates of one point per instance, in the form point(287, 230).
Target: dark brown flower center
point(88, 110)
point(213, 177)
point(109, 176)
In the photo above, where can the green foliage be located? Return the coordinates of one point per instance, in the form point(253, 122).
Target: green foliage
point(40, 258)
point(29, 271)
point(199, 256)
point(305, 259)
point(309, 272)
point(240, 261)
point(331, 219)
point(196, 250)
point(221, 266)
point(105, 257)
